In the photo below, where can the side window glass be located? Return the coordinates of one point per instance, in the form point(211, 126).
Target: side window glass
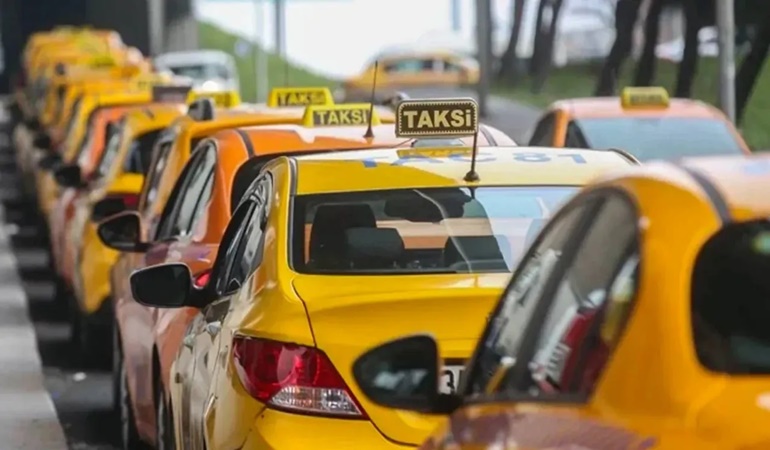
point(506, 329)
point(193, 184)
point(575, 339)
point(543, 134)
point(249, 256)
point(231, 242)
point(575, 137)
point(154, 175)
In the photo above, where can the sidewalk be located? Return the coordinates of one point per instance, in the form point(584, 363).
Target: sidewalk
point(514, 119)
point(28, 419)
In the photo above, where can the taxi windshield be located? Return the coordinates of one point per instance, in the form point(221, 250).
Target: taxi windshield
point(420, 231)
point(731, 300)
point(653, 138)
point(201, 71)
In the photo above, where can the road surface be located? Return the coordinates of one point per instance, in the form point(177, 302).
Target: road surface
point(82, 398)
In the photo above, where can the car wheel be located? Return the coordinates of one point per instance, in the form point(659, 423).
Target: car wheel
point(129, 435)
point(91, 343)
point(117, 363)
point(164, 425)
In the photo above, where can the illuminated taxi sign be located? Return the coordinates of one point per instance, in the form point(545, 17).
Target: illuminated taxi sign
point(170, 94)
point(644, 97)
point(299, 96)
point(437, 117)
point(351, 114)
point(434, 152)
point(225, 99)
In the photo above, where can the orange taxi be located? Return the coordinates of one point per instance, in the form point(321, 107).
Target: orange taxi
point(643, 121)
point(636, 320)
point(150, 338)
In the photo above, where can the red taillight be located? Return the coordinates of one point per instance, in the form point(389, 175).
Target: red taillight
point(202, 279)
point(293, 377)
point(130, 200)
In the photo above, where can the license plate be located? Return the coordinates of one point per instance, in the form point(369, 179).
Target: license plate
point(450, 379)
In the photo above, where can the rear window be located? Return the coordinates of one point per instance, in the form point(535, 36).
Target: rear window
point(139, 156)
point(731, 300)
point(415, 231)
point(661, 138)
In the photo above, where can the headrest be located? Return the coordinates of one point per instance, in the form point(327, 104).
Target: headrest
point(475, 249)
point(345, 215)
point(373, 247)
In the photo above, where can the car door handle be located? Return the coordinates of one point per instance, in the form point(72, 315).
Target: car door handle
point(213, 328)
point(188, 341)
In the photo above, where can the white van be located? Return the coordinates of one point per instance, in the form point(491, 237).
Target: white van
point(209, 69)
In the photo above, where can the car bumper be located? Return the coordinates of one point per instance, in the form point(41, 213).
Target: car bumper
point(279, 430)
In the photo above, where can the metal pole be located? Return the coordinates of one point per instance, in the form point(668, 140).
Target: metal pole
point(726, 27)
point(455, 15)
point(484, 48)
point(280, 28)
point(260, 54)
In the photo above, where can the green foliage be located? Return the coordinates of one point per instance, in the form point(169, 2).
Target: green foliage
point(280, 72)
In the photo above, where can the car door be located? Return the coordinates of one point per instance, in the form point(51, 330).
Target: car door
point(243, 257)
point(550, 337)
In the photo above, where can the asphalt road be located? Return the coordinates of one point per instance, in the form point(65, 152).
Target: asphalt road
point(83, 397)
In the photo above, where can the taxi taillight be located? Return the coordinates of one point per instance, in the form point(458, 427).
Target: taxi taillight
point(293, 378)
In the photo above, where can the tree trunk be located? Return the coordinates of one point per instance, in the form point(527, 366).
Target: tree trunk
point(537, 46)
point(645, 68)
point(509, 63)
point(688, 67)
point(545, 60)
point(626, 12)
point(752, 65)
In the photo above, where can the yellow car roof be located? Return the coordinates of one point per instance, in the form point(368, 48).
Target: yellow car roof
point(153, 116)
point(446, 167)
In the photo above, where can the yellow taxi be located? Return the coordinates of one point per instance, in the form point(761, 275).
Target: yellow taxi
point(74, 136)
point(643, 121)
point(393, 71)
point(313, 269)
point(118, 178)
point(678, 252)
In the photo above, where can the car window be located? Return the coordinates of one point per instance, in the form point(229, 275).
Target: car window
point(570, 352)
point(730, 307)
point(506, 328)
point(227, 264)
point(69, 132)
point(154, 176)
point(419, 231)
point(575, 137)
point(409, 66)
point(249, 256)
point(190, 195)
point(111, 150)
point(649, 138)
point(139, 155)
point(544, 130)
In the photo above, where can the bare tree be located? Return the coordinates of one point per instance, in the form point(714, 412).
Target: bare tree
point(509, 62)
point(626, 13)
point(645, 67)
point(542, 54)
point(752, 64)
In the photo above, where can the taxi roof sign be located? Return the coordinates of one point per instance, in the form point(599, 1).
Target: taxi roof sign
point(349, 114)
point(222, 99)
point(170, 94)
point(437, 117)
point(299, 96)
point(644, 97)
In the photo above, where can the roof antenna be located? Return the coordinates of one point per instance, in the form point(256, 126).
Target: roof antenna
point(472, 175)
point(369, 132)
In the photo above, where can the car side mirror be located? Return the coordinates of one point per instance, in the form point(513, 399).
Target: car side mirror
point(69, 176)
point(169, 285)
point(122, 232)
point(404, 374)
point(107, 207)
point(162, 286)
point(49, 161)
point(43, 141)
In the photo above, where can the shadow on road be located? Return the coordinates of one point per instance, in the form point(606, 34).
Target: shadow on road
point(83, 399)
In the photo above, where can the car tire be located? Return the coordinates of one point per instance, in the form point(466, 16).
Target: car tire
point(129, 436)
point(117, 363)
point(165, 437)
point(91, 343)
